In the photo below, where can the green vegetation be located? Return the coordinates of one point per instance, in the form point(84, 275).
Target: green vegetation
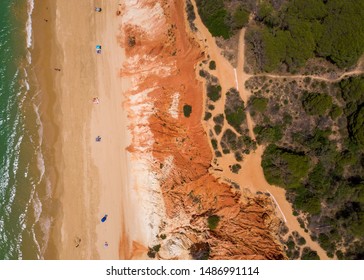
point(153, 251)
point(308, 254)
point(234, 110)
point(303, 29)
point(213, 221)
point(208, 116)
point(259, 103)
point(214, 16)
point(191, 16)
point(187, 110)
point(241, 17)
point(220, 19)
point(316, 103)
point(235, 168)
point(163, 236)
point(315, 149)
point(212, 65)
point(214, 92)
point(238, 144)
point(268, 134)
point(214, 143)
point(335, 112)
point(217, 129)
point(284, 168)
point(356, 126)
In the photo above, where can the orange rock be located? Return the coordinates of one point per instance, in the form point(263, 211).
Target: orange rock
point(245, 230)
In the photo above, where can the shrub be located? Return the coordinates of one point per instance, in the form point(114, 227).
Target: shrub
point(335, 112)
point(356, 126)
point(208, 116)
point(214, 143)
point(308, 254)
point(213, 221)
point(187, 110)
point(214, 16)
point(259, 104)
point(284, 168)
point(241, 17)
point(316, 103)
point(214, 92)
point(212, 65)
point(217, 129)
point(235, 168)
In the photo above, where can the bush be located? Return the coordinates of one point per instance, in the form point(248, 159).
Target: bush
point(235, 168)
point(234, 110)
point(284, 168)
point(356, 126)
point(241, 17)
point(259, 104)
point(308, 254)
point(208, 116)
point(214, 92)
point(268, 134)
point(214, 16)
point(187, 110)
point(335, 112)
point(214, 144)
point(301, 241)
point(316, 103)
point(213, 221)
point(217, 129)
point(212, 65)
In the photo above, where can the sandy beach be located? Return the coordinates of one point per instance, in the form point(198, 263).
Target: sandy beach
point(89, 176)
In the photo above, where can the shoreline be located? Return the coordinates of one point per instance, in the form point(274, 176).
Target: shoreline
point(43, 57)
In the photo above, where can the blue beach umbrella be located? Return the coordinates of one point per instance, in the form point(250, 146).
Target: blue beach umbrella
point(103, 219)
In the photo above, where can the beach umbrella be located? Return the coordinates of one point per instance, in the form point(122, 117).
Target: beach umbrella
point(103, 219)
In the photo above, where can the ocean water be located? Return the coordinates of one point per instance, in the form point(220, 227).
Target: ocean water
point(24, 186)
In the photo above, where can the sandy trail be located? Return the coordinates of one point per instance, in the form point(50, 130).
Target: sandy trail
point(354, 72)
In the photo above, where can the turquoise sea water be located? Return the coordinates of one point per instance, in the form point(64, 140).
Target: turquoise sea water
point(24, 187)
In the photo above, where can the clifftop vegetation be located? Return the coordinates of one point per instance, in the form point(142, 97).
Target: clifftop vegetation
point(285, 38)
point(315, 150)
point(285, 34)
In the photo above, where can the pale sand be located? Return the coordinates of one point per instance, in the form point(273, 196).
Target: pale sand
point(93, 175)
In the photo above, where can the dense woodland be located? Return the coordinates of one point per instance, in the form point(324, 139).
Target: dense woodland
point(285, 34)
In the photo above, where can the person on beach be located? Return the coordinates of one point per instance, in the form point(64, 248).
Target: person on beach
point(96, 100)
point(98, 139)
point(103, 219)
point(106, 244)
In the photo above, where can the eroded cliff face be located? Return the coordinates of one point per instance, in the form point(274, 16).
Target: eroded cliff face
point(173, 149)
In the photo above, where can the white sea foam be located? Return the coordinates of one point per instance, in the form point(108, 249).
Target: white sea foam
point(29, 23)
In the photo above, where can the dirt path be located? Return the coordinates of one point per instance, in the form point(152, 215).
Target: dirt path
point(354, 72)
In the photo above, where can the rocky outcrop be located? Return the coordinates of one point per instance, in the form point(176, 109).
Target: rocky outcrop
point(162, 56)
